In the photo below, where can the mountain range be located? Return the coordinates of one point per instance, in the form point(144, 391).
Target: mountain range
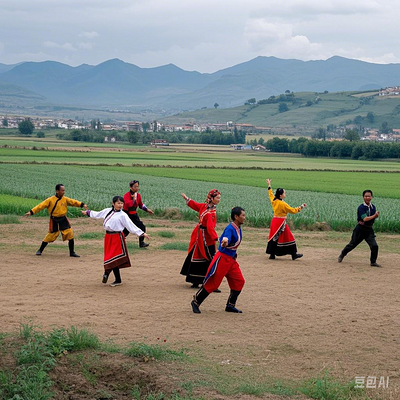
point(115, 84)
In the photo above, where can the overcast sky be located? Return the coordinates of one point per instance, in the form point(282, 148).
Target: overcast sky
point(199, 35)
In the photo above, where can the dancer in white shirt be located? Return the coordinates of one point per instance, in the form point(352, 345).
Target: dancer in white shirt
point(115, 251)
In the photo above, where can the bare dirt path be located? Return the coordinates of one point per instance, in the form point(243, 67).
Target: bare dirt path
point(299, 317)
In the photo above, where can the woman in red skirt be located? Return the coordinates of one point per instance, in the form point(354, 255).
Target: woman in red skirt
point(202, 246)
point(281, 240)
point(115, 251)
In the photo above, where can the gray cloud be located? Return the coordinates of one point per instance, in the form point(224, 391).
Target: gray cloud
point(197, 35)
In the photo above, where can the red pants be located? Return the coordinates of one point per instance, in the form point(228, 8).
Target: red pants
point(223, 266)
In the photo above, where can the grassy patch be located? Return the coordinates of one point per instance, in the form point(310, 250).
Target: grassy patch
point(182, 246)
point(326, 388)
point(9, 219)
point(258, 389)
point(74, 363)
point(166, 234)
point(154, 352)
point(91, 235)
point(132, 246)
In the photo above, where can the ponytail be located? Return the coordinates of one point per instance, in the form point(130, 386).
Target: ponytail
point(278, 194)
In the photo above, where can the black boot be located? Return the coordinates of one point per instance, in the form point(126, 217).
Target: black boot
point(71, 245)
point(296, 256)
point(42, 247)
point(230, 305)
point(141, 242)
point(198, 298)
point(105, 276)
point(117, 275)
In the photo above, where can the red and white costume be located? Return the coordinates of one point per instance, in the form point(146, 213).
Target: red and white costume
point(115, 251)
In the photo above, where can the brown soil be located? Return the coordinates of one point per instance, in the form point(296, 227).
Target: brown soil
point(300, 318)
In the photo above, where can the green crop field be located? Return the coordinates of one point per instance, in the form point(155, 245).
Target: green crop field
point(331, 188)
point(183, 155)
point(97, 185)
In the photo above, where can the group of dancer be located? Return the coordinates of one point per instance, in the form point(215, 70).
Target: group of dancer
point(204, 266)
point(119, 220)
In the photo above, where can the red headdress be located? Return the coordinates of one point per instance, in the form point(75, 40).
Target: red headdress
point(211, 194)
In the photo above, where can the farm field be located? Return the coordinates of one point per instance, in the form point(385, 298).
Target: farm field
point(97, 185)
point(176, 155)
point(331, 188)
point(302, 320)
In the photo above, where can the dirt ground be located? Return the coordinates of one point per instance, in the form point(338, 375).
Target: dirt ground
point(300, 318)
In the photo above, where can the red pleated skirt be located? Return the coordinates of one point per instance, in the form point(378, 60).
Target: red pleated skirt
point(280, 240)
point(115, 251)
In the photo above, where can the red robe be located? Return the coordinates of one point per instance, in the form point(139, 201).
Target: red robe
point(204, 233)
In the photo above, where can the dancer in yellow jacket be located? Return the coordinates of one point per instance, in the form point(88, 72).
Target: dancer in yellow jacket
point(281, 240)
point(57, 207)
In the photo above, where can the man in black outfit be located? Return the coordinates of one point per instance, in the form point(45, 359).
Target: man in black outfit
point(366, 215)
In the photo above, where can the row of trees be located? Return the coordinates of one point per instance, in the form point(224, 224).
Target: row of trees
point(207, 137)
point(85, 135)
point(357, 150)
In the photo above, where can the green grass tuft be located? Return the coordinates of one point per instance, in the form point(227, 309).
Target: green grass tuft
point(326, 388)
point(91, 235)
point(182, 246)
point(166, 234)
point(155, 352)
point(258, 389)
point(9, 219)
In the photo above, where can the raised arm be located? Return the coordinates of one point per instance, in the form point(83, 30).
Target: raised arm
point(270, 193)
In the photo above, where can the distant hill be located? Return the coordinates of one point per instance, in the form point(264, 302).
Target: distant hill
point(116, 84)
point(307, 112)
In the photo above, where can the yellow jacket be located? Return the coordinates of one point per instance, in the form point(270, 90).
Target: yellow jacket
point(61, 207)
point(280, 207)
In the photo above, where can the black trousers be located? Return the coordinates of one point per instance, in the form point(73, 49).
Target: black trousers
point(361, 233)
point(136, 220)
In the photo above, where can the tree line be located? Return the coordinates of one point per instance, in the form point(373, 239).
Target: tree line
point(207, 137)
point(356, 150)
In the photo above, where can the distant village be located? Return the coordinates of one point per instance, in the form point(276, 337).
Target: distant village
point(154, 126)
point(40, 123)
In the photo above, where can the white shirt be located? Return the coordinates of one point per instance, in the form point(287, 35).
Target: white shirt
point(116, 221)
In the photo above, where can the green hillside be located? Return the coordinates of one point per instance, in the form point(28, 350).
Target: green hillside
point(306, 112)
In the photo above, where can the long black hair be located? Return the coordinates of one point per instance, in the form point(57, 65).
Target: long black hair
point(279, 193)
